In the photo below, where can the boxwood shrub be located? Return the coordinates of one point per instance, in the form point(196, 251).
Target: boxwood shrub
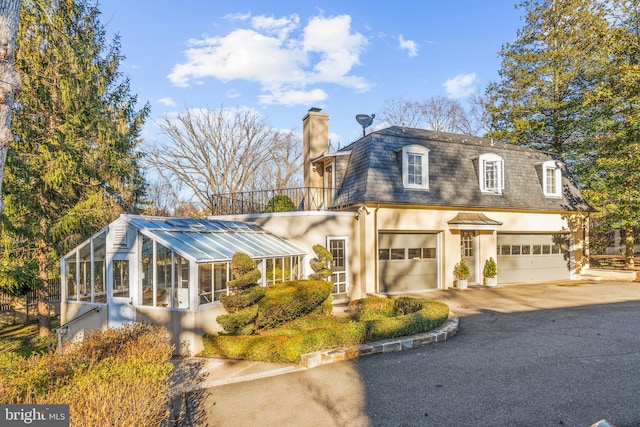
point(290, 300)
point(313, 332)
point(242, 300)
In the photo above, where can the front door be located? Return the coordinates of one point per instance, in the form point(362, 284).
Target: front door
point(121, 309)
point(468, 252)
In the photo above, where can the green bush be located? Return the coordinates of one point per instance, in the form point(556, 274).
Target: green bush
point(314, 332)
point(280, 203)
point(406, 305)
point(320, 264)
point(244, 272)
point(235, 323)
point(235, 302)
point(372, 308)
point(290, 300)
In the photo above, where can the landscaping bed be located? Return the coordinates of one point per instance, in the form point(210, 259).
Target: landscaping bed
point(371, 319)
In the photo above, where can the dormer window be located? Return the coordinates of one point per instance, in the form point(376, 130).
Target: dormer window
point(415, 167)
point(491, 173)
point(551, 179)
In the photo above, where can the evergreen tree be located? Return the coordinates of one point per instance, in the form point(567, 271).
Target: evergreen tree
point(73, 166)
point(537, 102)
point(611, 156)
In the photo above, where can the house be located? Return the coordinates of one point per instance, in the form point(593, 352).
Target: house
point(398, 208)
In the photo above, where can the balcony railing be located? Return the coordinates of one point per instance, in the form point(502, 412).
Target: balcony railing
point(251, 202)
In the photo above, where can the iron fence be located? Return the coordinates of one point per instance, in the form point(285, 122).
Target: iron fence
point(261, 201)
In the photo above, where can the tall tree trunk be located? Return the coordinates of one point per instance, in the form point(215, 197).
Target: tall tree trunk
point(44, 314)
point(629, 239)
point(9, 79)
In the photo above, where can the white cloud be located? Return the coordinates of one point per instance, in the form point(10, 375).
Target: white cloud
point(167, 102)
point(282, 57)
point(294, 97)
point(408, 45)
point(461, 85)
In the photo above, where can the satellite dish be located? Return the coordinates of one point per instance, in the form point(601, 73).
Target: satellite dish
point(365, 121)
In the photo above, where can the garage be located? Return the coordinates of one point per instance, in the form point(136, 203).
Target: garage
point(407, 262)
point(533, 257)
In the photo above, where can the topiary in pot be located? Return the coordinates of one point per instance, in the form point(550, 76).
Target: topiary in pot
point(461, 273)
point(490, 272)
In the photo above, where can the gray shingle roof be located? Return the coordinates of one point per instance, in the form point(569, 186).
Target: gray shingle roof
point(374, 173)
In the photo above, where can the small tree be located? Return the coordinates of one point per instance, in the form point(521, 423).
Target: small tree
point(244, 272)
point(490, 268)
point(321, 263)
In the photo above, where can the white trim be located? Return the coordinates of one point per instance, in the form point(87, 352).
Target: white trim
point(483, 161)
point(546, 167)
point(346, 259)
point(423, 154)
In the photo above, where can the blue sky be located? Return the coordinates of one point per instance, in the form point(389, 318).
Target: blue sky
point(281, 58)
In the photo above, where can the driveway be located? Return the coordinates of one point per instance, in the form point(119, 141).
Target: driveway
point(551, 354)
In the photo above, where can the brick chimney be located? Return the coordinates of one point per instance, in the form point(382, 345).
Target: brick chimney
point(315, 130)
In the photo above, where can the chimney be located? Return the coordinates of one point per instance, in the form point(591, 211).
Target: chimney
point(315, 137)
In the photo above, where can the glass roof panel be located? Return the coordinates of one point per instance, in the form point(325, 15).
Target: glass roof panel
point(212, 240)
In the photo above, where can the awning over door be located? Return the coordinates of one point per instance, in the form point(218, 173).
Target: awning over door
point(473, 221)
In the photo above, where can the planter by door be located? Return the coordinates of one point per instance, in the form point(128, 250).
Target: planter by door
point(462, 284)
point(491, 281)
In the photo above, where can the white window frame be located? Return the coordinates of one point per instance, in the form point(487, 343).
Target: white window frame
point(346, 259)
point(496, 160)
point(423, 153)
point(551, 170)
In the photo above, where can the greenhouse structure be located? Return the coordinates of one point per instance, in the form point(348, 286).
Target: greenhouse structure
point(169, 271)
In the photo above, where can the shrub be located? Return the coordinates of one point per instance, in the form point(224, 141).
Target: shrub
point(244, 272)
point(320, 264)
point(116, 377)
point(372, 308)
point(290, 300)
point(461, 270)
point(235, 323)
point(313, 332)
point(406, 305)
point(280, 203)
point(490, 269)
point(242, 300)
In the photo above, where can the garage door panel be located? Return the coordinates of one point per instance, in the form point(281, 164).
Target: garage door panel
point(532, 257)
point(407, 262)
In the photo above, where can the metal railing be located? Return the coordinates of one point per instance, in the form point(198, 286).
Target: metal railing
point(262, 201)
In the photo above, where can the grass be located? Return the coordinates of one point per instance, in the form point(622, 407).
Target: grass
point(373, 319)
point(24, 340)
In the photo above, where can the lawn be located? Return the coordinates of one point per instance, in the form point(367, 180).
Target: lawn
point(23, 339)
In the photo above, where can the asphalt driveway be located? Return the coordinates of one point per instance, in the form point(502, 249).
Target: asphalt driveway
point(561, 353)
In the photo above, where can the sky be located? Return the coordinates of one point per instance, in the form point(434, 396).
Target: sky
point(281, 58)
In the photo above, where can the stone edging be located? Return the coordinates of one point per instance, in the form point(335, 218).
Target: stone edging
point(324, 357)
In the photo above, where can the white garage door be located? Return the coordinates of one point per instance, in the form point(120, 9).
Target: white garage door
point(408, 262)
point(533, 257)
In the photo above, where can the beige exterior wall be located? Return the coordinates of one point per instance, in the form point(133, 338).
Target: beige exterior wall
point(304, 229)
point(96, 319)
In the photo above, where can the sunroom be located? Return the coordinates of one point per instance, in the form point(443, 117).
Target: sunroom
point(165, 270)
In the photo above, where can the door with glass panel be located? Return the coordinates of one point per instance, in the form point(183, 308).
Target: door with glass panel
point(121, 309)
point(338, 248)
point(468, 252)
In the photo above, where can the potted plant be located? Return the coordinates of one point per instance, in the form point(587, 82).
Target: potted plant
point(461, 273)
point(490, 272)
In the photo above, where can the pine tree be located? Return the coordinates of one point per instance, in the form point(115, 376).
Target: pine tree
point(73, 166)
point(537, 101)
point(612, 154)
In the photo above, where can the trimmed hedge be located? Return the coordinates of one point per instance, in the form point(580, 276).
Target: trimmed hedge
point(242, 300)
point(290, 300)
point(313, 332)
point(280, 303)
point(235, 323)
